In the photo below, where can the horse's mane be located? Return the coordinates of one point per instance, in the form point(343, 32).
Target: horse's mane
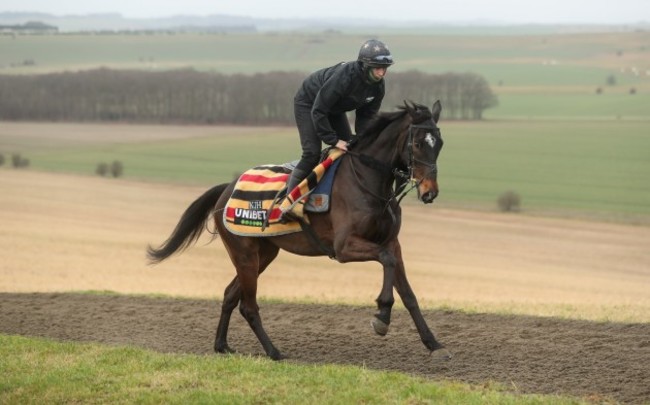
point(384, 119)
point(378, 124)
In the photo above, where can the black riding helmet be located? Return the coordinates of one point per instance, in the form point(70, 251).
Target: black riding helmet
point(373, 53)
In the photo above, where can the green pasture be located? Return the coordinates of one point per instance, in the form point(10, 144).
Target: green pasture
point(203, 160)
point(574, 167)
point(594, 166)
point(552, 138)
point(529, 73)
point(248, 53)
point(611, 104)
point(43, 371)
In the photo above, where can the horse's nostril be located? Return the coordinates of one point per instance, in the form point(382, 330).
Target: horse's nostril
point(429, 196)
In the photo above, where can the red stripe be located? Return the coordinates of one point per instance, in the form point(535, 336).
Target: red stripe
point(295, 194)
point(327, 162)
point(275, 214)
point(258, 178)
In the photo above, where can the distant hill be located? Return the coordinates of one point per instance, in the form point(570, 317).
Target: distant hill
point(230, 23)
point(30, 27)
point(116, 22)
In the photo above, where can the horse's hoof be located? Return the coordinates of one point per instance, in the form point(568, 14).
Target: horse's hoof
point(277, 356)
point(224, 350)
point(379, 326)
point(441, 355)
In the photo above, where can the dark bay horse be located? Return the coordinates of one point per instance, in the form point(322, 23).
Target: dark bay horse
point(362, 225)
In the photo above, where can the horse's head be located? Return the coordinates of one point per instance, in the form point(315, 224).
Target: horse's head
point(422, 147)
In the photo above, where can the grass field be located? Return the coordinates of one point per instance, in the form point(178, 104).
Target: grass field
point(566, 150)
point(96, 374)
point(533, 75)
point(595, 169)
point(575, 56)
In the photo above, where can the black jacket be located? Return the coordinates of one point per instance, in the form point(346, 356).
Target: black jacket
point(336, 90)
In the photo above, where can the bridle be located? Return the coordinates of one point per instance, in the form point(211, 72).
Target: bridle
point(406, 175)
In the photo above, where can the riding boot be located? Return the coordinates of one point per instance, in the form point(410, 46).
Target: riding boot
point(289, 209)
point(297, 175)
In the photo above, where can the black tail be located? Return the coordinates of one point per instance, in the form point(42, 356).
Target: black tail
point(189, 227)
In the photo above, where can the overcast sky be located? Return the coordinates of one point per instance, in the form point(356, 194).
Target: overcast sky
point(510, 11)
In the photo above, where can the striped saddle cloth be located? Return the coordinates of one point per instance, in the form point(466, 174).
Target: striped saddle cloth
point(254, 208)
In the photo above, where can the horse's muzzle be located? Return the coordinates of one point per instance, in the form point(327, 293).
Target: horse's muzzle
point(428, 191)
point(429, 196)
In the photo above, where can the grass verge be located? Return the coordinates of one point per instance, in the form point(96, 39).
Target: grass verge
point(43, 371)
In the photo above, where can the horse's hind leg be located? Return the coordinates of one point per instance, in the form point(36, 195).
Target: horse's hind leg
point(250, 311)
point(230, 300)
point(249, 266)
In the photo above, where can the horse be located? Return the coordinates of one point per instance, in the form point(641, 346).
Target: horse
point(397, 149)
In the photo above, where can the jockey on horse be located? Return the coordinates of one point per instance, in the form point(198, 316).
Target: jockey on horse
point(321, 104)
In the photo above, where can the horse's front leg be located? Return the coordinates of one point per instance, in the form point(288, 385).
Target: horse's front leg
point(411, 303)
point(385, 300)
point(356, 249)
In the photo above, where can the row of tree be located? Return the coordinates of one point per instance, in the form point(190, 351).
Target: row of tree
point(189, 96)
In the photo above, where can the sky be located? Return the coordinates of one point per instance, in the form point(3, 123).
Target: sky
point(505, 11)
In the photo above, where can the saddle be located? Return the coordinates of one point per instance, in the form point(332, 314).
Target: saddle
point(259, 199)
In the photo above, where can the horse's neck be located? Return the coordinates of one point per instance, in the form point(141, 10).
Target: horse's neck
point(386, 148)
point(378, 177)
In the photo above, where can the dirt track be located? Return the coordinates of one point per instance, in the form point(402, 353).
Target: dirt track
point(600, 361)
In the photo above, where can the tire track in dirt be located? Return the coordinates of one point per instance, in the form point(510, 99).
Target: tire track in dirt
point(528, 354)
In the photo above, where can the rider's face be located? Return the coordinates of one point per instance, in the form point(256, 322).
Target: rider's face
point(378, 72)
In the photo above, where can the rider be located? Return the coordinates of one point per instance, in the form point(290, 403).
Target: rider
point(321, 103)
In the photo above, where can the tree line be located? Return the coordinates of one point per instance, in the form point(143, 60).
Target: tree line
point(189, 96)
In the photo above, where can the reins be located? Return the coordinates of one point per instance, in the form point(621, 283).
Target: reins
point(373, 164)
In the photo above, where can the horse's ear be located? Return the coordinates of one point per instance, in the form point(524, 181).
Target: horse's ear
point(435, 111)
point(409, 108)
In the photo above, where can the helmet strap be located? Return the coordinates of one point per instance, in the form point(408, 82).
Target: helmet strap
point(369, 76)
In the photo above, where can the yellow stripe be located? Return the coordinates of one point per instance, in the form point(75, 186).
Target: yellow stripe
point(263, 172)
point(251, 186)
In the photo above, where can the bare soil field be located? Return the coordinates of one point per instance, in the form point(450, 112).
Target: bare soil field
point(69, 233)
point(64, 233)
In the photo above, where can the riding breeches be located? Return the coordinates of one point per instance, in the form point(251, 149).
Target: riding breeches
point(309, 141)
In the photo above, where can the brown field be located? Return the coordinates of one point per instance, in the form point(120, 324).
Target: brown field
point(69, 233)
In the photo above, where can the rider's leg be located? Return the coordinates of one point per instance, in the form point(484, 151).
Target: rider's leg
point(310, 143)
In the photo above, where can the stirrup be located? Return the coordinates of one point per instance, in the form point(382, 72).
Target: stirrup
point(293, 212)
point(288, 216)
